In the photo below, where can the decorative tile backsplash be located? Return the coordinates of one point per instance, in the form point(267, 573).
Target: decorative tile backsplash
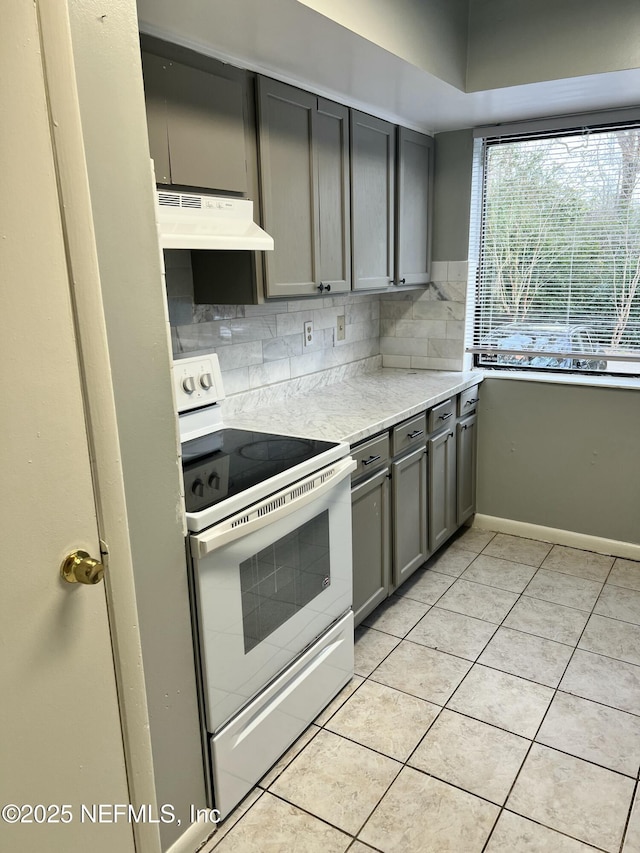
point(259, 345)
point(425, 328)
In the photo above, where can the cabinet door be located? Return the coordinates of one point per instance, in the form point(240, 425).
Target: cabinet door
point(442, 488)
point(331, 155)
point(415, 178)
point(370, 531)
point(409, 491)
point(466, 441)
point(372, 201)
point(289, 187)
point(196, 125)
point(155, 70)
point(205, 126)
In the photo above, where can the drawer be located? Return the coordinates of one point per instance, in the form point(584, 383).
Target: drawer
point(370, 456)
point(441, 414)
point(409, 434)
point(468, 400)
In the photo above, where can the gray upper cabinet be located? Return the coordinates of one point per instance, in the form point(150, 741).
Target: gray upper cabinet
point(288, 187)
point(331, 158)
point(415, 185)
point(196, 122)
point(303, 154)
point(372, 201)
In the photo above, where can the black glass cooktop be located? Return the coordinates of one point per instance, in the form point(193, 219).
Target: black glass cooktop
point(226, 462)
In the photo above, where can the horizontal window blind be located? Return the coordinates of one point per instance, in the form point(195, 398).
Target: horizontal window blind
point(558, 283)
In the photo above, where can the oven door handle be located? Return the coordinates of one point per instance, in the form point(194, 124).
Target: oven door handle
point(271, 509)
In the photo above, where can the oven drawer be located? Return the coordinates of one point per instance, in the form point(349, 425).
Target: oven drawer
point(370, 456)
point(441, 414)
point(244, 749)
point(409, 434)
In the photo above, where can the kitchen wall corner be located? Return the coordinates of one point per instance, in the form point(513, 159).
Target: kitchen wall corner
point(425, 328)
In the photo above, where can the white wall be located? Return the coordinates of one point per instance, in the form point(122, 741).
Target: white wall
point(430, 35)
point(560, 456)
point(109, 75)
point(525, 42)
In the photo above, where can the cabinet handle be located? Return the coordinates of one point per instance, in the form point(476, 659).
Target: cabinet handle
point(445, 417)
point(402, 281)
point(326, 287)
point(472, 401)
point(370, 460)
point(464, 426)
point(449, 436)
point(415, 434)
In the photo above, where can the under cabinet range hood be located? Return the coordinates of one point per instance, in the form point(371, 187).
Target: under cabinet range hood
point(191, 221)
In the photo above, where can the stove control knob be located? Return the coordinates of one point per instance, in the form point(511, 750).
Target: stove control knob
point(197, 487)
point(214, 481)
point(188, 384)
point(206, 381)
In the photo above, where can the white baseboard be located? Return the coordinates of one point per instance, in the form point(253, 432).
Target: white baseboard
point(597, 544)
point(194, 838)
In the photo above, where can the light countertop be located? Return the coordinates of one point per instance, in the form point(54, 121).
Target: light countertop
point(355, 408)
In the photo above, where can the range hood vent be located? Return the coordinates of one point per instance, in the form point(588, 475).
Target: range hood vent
point(191, 221)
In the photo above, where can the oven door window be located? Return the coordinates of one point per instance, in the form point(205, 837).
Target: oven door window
point(283, 578)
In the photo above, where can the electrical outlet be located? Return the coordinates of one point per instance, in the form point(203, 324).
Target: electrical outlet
point(340, 328)
point(308, 333)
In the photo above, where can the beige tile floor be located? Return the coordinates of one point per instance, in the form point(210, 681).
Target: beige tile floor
point(495, 707)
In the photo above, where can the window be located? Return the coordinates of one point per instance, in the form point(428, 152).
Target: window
point(558, 283)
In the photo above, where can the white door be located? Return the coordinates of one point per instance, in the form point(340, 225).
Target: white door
point(60, 734)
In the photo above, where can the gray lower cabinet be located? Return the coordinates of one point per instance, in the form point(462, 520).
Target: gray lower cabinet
point(371, 525)
point(409, 498)
point(371, 530)
point(372, 201)
point(433, 484)
point(304, 169)
point(466, 449)
point(441, 449)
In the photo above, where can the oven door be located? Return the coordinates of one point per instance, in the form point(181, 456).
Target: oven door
point(269, 581)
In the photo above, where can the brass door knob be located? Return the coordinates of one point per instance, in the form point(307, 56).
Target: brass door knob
point(79, 567)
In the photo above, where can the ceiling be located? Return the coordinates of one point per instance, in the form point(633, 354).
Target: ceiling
point(291, 42)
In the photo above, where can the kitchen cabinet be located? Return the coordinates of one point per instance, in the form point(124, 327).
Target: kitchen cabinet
point(466, 450)
point(430, 460)
point(202, 135)
point(452, 465)
point(441, 454)
point(409, 498)
point(391, 219)
point(413, 210)
point(196, 124)
point(466, 444)
point(372, 201)
point(304, 170)
point(371, 525)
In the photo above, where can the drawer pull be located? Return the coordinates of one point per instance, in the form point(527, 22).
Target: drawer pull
point(415, 434)
point(446, 416)
point(472, 401)
point(370, 460)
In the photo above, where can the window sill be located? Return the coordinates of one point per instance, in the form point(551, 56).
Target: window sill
point(626, 382)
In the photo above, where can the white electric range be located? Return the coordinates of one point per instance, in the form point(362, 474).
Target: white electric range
point(269, 543)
